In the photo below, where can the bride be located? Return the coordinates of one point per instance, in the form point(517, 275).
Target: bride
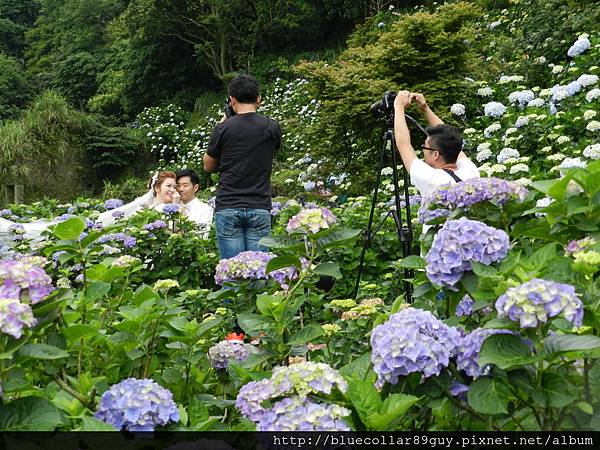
point(162, 191)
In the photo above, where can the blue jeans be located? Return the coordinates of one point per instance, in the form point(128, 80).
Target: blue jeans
point(240, 229)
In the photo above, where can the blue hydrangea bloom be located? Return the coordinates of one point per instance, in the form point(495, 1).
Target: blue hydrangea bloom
point(538, 300)
point(468, 351)
point(494, 109)
point(171, 208)
point(113, 203)
point(459, 243)
point(225, 351)
point(412, 340)
point(579, 46)
point(137, 405)
point(465, 306)
point(297, 414)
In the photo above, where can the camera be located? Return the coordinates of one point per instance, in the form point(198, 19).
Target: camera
point(228, 110)
point(385, 105)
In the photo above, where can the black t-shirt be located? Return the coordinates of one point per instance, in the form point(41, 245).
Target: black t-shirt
point(245, 145)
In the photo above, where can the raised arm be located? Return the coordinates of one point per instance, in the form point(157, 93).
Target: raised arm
point(432, 118)
point(401, 132)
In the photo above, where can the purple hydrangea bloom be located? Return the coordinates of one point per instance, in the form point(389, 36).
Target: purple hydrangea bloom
point(225, 351)
point(311, 221)
point(412, 340)
point(113, 203)
point(470, 192)
point(129, 242)
point(297, 414)
point(16, 229)
point(156, 225)
point(427, 215)
point(118, 214)
point(458, 244)
point(295, 383)
point(581, 245)
point(6, 213)
point(65, 216)
point(537, 300)
point(171, 208)
point(252, 265)
point(468, 351)
point(14, 316)
point(465, 306)
point(137, 405)
point(275, 208)
point(25, 275)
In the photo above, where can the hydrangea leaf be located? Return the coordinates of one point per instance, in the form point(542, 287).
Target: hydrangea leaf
point(489, 395)
point(70, 229)
point(42, 351)
point(505, 351)
point(393, 409)
point(571, 343)
point(29, 414)
point(329, 269)
point(282, 261)
point(306, 334)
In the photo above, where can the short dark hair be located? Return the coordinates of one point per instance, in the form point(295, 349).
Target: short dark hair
point(447, 140)
point(188, 173)
point(244, 88)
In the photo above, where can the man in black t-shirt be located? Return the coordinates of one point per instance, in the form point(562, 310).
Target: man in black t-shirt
point(242, 148)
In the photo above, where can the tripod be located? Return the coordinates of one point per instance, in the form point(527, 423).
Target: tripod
point(405, 233)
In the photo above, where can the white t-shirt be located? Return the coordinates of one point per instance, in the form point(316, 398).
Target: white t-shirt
point(426, 179)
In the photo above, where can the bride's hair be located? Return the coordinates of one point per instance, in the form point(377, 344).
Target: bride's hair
point(158, 178)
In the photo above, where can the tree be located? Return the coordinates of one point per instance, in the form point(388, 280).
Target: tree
point(16, 17)
point(14, 87)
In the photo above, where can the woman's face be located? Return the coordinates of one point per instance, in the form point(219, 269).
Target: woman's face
point(166, 190)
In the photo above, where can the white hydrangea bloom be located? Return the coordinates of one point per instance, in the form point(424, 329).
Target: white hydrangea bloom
point(536, 103)
point(485, 92)
point(507, 153)
point(593, 95)
point(557, 69)
point(519, 168)
point(491, 129)
point(555, 157)
point(593, 126)
point(458, 109)
point(587, 80)
point(483, 155)
point(589, 114)
point(563, 139)
point(592, 151)
point(522, 120)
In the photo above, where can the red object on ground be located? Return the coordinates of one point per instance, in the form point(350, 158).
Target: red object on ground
point(235, 337)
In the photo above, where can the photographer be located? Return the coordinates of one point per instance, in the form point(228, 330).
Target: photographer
point(444, 162)
point(242, 148)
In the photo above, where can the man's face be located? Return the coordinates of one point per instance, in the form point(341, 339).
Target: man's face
point(186, 189)
point(429, 155)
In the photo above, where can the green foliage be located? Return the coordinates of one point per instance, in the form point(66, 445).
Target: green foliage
point(14, 87)
point(16, 16)
point(422, 52)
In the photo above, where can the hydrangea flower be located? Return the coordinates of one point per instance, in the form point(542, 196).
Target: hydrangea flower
point(118, 214)
point(126, 261)
point(579, 46)
point(137, 405)
point(572, 163)
point(468, 351)
point(521, 97)
point(156, 225)
point(592, 151)
point(14, 316)
point(485, 91)
point(507, 153)
point(296, 414)
point(593, 95)
point(311, 221)
point(538, 300)
point(586, 80)
point(25, 275)
point(458, 109)
point(494, 109)
point(365, 308)
point(593, 126)
point(113, 203)
point(171, 208)
point(522, 120)
point(296, 382)
point(459, 243)
point(581, 245)
point(465, 306)
point(412, 340)
point(225, 351)
point(491, 129)
point(252, 265)
point(483, 155)
point(536, 103)
point(470, 192)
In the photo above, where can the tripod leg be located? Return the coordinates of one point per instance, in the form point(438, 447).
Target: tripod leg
point(367, 236)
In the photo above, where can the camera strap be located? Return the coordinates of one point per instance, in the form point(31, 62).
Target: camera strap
point(266, 134)
point(453, 175)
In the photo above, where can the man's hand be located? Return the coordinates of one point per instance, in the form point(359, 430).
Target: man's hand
point(402, 100)
point(420, 100)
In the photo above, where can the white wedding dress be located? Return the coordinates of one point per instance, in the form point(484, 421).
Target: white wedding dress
point(34, 230)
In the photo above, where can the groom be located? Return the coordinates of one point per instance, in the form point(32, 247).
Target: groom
point(198, 212)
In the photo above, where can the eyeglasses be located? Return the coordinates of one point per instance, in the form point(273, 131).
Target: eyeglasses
point(430, 149)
